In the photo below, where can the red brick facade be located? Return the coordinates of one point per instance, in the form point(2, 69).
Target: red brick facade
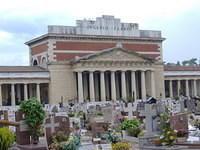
point(100, 46)
point(83, 46)
point(92, 46)
point(39, 48)
point(68, 56)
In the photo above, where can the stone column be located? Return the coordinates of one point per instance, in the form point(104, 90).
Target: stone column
point(38, 91)
point(195, 87)
point(31, 91)
point(25, 92)
point(178, 87)
point(80, 87)
point(187, 87)
point(170, 89)
point(13, 94)
point(123, 80)
point(92, 96)
point(143, 85)
point(133, 85)
point(103, 90)
point(153, 94)
point(113, 86)
point(1, 100)
point(19, 92)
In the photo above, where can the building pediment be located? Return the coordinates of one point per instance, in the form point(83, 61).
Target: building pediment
point(114, 54)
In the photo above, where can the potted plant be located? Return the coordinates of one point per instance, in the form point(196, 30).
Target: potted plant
point(34, 117)
point(133, 127)
point(182, 135)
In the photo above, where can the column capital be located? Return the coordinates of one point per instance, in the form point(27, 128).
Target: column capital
point(91, 71)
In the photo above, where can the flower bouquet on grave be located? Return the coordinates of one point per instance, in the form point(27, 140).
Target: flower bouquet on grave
point(182, 135)
point(168, 135)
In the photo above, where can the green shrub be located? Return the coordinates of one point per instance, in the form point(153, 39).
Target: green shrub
point(168, 135)
point(6, 138)
point(132, 126)
point(121, 146)
point(70, 114)
point(112, 136)
point(130, 100)
point(99, 113)
point(80, 114)
point(34, 115)
point(71, 144)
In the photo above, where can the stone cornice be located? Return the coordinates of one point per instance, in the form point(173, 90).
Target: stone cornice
point(116, 65)
point(92, 37)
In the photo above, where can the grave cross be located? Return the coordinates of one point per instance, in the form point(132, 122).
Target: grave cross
point(149, 112)
point(130, 109)
point(52, 124)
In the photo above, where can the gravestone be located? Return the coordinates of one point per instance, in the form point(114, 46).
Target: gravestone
point(98, 128)
point(91, 109)
point(182, 106)
point(191, 105)
point(149, 112)
point(130, 109)
point(54, 124)
point(179, 121)
point(22, 133)
point(197, 112)
point(107, 113)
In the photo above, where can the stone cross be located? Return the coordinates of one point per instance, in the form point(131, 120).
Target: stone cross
point(149, 112)
point(52, 124)
point(130, 109)
point(55, 124)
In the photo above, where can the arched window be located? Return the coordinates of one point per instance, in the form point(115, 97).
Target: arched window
point(35, 63)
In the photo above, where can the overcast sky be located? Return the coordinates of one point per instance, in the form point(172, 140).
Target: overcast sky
point(22, 20)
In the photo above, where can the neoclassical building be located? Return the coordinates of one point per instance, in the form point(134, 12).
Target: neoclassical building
point(96, 60)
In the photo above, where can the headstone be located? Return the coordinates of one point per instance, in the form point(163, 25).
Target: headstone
point(197, 112)
point(91, 109)
point(22, 133)
point(191, 105)
point(179, 121)
point(54, 109)
point(98, 128)
point(54, 124)
point(149, 112)
point(5, 115)
point(107, 113)
point(182, 106)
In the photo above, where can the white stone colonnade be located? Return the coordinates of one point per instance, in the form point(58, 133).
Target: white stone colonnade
point(102, 85)
point(12, 92)
point(186, 87)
